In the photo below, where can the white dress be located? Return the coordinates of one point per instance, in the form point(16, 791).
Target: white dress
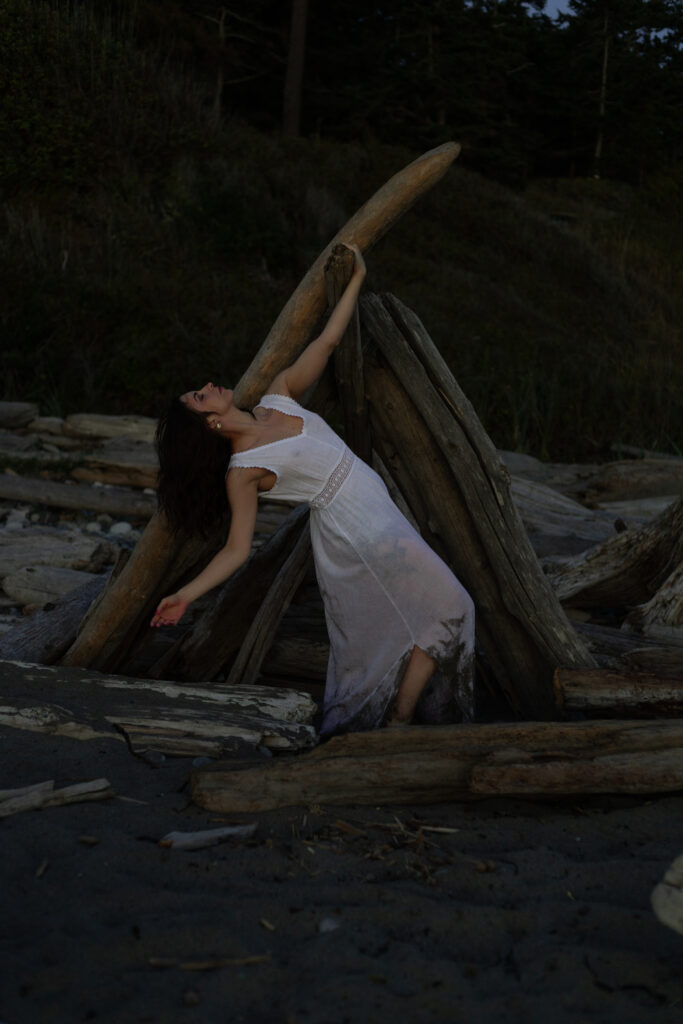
point(384, 589)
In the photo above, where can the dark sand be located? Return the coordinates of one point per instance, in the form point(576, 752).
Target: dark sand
point(528, 913)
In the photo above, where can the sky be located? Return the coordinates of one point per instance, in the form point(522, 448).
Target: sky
point(553, 6)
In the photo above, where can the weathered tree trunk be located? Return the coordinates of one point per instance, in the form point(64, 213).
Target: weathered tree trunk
point(436, 449)
point(164, 716)
point(152, 571)
point(627, 694)
point(261, 633)
point(430, 764)
point(44, 636)
point(348, 359)
point(291, 113)
point(215, 639)
point(626, 569)
point(111, 631)
point(662, 616)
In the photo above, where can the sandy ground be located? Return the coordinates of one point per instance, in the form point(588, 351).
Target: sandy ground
point(527, 912)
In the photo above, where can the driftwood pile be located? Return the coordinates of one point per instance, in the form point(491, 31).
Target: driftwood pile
point(575, 572)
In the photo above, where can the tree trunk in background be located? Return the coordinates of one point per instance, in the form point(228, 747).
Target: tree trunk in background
point(160, 558)
point(291, 113)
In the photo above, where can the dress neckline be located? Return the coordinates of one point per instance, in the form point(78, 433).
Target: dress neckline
point(269, 444)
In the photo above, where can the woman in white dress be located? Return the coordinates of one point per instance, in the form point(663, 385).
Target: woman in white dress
point(401, 626)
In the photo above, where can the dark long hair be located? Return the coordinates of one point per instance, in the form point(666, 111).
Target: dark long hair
point(193, 462)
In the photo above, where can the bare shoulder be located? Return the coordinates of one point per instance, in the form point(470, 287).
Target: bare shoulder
point(241, 483)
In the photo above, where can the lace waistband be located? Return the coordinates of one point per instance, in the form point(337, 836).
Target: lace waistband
point(335, 480)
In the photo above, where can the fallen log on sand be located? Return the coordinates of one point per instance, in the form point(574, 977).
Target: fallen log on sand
point(36, 797)
point(153, 570)
point(667, 897)
point(604, 693)
point(174, 719)
point(430, 764)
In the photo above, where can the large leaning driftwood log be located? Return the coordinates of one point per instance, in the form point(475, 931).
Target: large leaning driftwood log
point(458, 489)
point(430, 764)
point(153, 568)
point(348, 360)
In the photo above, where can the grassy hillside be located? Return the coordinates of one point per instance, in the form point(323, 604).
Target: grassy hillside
point(146, 249)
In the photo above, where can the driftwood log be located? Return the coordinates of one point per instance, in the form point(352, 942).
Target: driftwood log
point(117, 501)
point(172, 718)
point(154, 568)
point(458, 490)
point(34, 798)
point(605, 693)
point(261, 633)
point(348, 359)
point(456, 762)
point(626, 570)
point(667, 897)
point(662, 616)
point(215, 639)
point(44, 636)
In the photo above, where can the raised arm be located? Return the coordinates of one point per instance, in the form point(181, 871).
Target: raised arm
point(242, 489)
point(298, 377)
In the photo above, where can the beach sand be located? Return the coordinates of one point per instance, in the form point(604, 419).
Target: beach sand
point(528, 912)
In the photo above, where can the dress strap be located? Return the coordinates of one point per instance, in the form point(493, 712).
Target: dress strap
point(283, 403)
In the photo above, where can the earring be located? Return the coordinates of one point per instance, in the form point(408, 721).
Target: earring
point(217, 425)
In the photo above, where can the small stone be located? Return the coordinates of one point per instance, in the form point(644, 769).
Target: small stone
point(93, 528)
point(16, 519)
point(105, 519)
point(329, 924)
point(121, 529)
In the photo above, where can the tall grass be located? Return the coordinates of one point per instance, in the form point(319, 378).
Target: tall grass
point(147, 248)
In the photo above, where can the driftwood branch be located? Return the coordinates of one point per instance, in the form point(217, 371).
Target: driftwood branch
point(153, 568)
point(348, 359)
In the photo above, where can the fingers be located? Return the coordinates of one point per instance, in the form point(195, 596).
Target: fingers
point(168, 613)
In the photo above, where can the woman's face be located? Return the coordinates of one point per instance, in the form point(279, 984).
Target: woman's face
point(212, 398)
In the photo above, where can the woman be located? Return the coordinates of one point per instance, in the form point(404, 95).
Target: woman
point(401, 626)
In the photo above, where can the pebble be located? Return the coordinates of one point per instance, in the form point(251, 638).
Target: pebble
point(329, 924)
point(93, 528)
point(16, 519)
point(120, 529)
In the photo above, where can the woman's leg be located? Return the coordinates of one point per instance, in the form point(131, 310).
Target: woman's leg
point(416, 676)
